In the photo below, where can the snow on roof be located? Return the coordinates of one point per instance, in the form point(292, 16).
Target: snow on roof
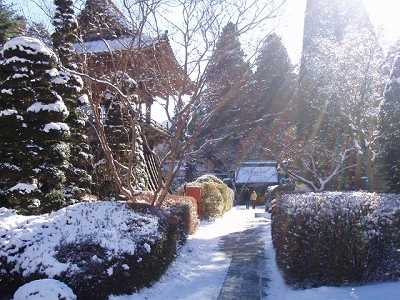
point(112, 11)
point(257, 174)
point(259, 163)
point(112, 45)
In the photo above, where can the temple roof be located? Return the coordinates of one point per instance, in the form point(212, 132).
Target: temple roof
point(101, 19)
point(149, 61)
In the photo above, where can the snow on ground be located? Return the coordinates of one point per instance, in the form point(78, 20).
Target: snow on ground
point(200, 270)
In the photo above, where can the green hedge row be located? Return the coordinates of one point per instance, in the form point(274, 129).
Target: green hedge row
point(336, 239)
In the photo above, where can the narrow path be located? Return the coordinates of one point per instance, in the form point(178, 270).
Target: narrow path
point(247, 277)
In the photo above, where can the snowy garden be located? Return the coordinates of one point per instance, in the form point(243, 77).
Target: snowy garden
point(90, 204)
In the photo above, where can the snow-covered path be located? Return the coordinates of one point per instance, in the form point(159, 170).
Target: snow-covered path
point(200, 270)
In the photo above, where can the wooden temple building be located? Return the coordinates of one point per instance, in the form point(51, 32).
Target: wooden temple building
point(110, 44)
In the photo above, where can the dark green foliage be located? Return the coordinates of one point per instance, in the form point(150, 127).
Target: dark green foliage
point(100, 272)
point(32, 151)
point(69, 87)
point(227, 77)
point(390, 116)
point(325, 20)
point(11, 24)
point(272, 83)
point(124, 139)
point(335, 239)
point(65, 34)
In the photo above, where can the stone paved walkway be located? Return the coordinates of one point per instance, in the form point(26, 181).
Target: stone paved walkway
point(247, 274)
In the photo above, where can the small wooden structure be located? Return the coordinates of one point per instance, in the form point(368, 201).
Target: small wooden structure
point(111, 44)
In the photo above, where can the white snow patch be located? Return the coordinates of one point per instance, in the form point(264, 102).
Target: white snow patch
point(44, 289)
point(59, 126)
point(84, 99)
point(8, 112)
point(24, 188)
point(106, 223)
point(28, 45)
point(58, 106)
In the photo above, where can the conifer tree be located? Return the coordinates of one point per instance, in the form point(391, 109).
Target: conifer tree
point(11, 24)
point(390, 116)
point(227, 79)
point(227, 64)
point(70, 86)
point(335, 83)
point(123, 134)
point(271, 84)
point(33, 151)
point(327, 20)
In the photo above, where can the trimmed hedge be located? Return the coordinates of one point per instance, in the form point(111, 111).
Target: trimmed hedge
point(217, 197)
point(335, 239)
point(91, 268)
point(181, 210)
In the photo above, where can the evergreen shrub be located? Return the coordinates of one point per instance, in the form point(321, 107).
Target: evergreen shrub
point(91, 268)
point(181, 210)
point(217, 197)
point(336, 238)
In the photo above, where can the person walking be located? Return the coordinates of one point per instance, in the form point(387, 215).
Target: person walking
point(253, 199)
point(247, 198)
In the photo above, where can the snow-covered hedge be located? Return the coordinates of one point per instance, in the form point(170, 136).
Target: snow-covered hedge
point(336, 238)
point(181, 210)
point(97, 249)
point(217, 197)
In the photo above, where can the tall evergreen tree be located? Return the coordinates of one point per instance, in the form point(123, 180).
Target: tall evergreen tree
point(390, 116)
point(33, 151)
point(325, 20)
point(11, 24)
point(330, 19)
point(331, 80)
point(271, 88)
point(125, 141)
point(227, 78)
point(69, 86)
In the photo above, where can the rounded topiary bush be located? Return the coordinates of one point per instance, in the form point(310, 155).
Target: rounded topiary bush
point(217, 197)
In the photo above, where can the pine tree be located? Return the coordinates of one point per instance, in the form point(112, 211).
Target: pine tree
point(70, 86)
point(11, 24)
point(124, 139)
point(333, 78)
point(227, 77)
point(390, 116)
point(272, 83)
point(325, 20)
point(33, 151)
